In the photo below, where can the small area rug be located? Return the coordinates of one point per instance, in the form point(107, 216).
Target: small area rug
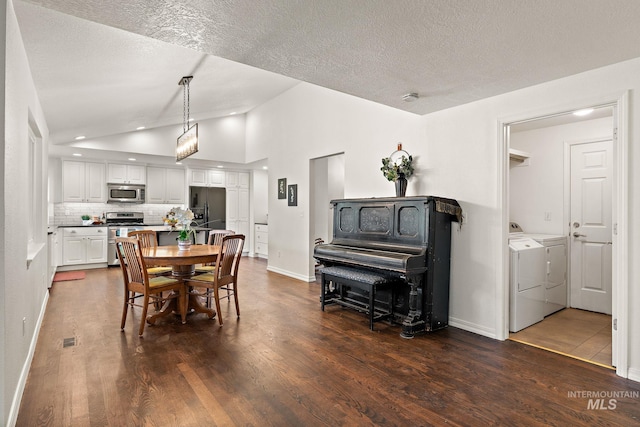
point(69, 275)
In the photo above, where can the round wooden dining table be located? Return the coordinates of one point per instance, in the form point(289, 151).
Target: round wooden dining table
point(183, 264)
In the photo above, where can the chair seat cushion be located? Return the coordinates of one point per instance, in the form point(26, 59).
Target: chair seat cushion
point(208, 277)
point(206, 269)
point(158, 282)
point(158, 270)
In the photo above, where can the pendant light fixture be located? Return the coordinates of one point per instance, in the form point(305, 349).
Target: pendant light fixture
point(188, 141)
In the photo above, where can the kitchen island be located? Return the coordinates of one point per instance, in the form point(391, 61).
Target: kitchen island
point(168, 236)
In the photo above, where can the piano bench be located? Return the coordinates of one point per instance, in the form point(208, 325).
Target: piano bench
point(365, 280)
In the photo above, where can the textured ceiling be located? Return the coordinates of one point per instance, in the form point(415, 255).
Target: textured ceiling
point(449, 52)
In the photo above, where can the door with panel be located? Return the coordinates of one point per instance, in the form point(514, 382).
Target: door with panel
point(591, 225)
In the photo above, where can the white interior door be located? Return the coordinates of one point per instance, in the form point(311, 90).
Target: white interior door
point(590, 228)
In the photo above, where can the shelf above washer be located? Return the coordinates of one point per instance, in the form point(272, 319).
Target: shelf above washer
point(518, 155)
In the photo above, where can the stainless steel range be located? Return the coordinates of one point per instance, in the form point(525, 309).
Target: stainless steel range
point(120, 223)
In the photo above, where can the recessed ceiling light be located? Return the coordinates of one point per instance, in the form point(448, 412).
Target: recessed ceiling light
point(78, 138)
point(584, 112)
point(77, 154)
point(140, 128)
point(220, 166)
point(178, 163)
point(265, 167)
point(132, 159)
point(191, 119)
point(232, 113)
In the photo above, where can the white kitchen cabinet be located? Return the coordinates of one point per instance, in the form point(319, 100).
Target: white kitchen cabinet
point(84, 245)
point(237, 179)
point(83, 182)
point(231, 179)
point(175, 190)
point(165, 185)
point(206, 178)
point(238, 211)
point(261, 244)
point(243, 180)
point(126, 174)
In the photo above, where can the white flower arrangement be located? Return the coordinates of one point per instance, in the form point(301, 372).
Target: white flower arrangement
point(182, 219)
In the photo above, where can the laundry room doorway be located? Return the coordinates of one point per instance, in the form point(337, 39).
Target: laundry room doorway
point(539, 197)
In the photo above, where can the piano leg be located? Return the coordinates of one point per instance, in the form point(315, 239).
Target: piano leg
point(412, 323)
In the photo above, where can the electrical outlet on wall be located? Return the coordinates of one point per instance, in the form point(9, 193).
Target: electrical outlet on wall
point(547, 216)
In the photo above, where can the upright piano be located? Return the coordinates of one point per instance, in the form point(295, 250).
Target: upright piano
point(406, 238)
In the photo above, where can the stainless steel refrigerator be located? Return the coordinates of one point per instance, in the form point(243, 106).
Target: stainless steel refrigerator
point(208, 206)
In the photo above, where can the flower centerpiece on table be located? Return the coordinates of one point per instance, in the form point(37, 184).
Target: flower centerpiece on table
point(181, 219)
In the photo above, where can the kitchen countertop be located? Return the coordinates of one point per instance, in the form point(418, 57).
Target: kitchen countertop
point(80, 225)
point(162, 228)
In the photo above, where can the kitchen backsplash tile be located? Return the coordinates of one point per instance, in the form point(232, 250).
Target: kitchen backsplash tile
point(71, 213)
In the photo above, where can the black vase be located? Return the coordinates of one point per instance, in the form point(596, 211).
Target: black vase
point(401, 185)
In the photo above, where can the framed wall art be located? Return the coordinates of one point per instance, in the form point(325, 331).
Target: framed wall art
point(282, 188)
point(293, 195)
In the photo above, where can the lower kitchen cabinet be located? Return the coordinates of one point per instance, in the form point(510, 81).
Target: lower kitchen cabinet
point(84, 245)
point(261, 240)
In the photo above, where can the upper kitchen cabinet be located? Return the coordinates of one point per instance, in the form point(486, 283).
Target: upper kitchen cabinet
point(83, 182)
point(126, 174)
point(237, 179)
point(206, 178)
point(166, 185)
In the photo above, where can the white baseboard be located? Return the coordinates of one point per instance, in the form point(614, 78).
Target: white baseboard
point(83, 266)
point(22, 380)
point(634, 374)
point(291, 274)
point(472, 327)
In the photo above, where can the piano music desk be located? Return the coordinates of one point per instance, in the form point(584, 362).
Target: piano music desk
point(368, 281)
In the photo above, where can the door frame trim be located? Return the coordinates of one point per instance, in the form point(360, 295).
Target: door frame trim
point(620, 250)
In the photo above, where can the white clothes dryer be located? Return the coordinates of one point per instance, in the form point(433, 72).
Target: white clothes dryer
point(555, 266)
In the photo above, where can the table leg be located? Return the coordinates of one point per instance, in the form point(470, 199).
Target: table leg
point(169, 307)
point(194, 304)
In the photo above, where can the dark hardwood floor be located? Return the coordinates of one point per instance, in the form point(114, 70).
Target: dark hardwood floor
point(287, 363)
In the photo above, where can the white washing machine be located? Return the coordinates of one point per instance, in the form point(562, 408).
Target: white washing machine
point(527, 278)
point(555, 267)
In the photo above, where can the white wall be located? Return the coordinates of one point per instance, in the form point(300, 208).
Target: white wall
point(309, 122)
point(537, 187)
point(23, 291)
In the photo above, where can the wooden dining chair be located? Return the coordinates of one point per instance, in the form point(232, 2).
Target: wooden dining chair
point(225, 275)
point(149, 239)
point(215, 238)
point(137, 283)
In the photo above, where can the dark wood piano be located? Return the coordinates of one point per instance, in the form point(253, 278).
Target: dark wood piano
point(408, 240)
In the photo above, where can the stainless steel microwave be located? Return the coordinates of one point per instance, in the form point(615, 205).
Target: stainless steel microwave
point(120, 193)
